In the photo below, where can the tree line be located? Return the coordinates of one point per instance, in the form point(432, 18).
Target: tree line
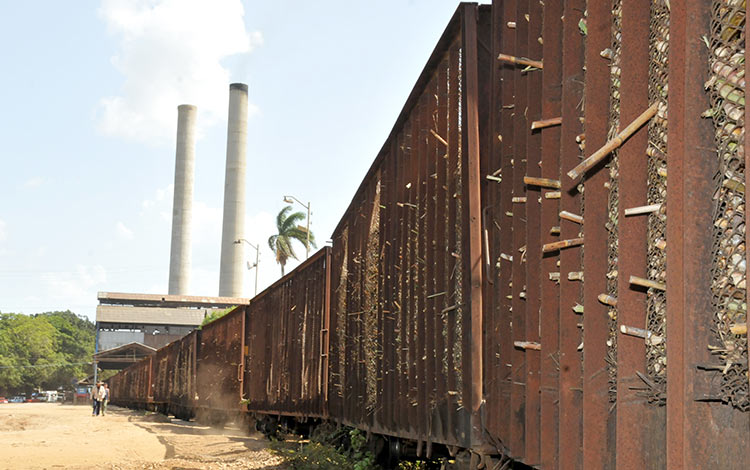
point(44, 351)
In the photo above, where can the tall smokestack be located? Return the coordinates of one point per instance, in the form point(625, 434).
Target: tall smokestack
point(231, 270)
point(182, 207)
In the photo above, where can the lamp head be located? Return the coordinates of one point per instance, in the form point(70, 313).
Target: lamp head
point(288, 199)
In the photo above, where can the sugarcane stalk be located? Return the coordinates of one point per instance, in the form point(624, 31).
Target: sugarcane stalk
point(597, 156)
point(607, 299)
point(552, 195)
point(639, 281)
point(437, 136)
point(542, 182)
point(554, 246)
point(642, 209)
point(542, 123)
point(738, 328)
point(520, 61)
point(571, 217)
point(650, 337)
point(575, 276)
point(554, 230)
point(527, 345)
point(519, 200)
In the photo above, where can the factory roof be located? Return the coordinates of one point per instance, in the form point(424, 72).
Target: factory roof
point(167, 300)
point(141, 315)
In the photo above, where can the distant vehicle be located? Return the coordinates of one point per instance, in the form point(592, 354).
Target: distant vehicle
point(3, 400)
point(16, 400)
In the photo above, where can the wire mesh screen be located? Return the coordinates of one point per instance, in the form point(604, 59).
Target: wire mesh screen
point(656, 355)
point(613, 53)
point(726, 87)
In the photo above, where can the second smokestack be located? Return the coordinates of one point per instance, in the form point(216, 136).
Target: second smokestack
point(231, 272)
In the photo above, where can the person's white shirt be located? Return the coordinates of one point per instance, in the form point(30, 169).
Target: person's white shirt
point(101, 393)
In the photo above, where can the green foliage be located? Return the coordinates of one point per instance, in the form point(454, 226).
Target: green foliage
point(412, 465)
point(46, 350)
point(287, 226)
point(329, 449)
point(215, 315)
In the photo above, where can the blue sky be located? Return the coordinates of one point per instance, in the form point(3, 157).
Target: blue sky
point(88, 109)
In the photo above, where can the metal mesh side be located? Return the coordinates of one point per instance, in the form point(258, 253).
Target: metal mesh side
point(613, 203)
point(656, 354)
point(726, 87)
point(340, 292)
point(372, 346)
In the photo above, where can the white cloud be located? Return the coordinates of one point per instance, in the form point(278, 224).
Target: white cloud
point(77, 287)
point(161, 203)
point(170, 54)
point(33, 182)
point(124, 232)
point(3, 231)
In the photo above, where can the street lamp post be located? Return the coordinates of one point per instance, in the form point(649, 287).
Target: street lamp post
point(291, 199)
point(257, 260)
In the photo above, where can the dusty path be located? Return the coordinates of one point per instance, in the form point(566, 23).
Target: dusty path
point(51, 436)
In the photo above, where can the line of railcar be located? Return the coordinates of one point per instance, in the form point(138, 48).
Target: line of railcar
point(451, 317)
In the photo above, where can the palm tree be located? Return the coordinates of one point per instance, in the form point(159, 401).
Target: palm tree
point(281, 243)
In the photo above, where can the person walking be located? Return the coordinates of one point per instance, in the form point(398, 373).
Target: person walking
point(105, 398)
point(95, 399)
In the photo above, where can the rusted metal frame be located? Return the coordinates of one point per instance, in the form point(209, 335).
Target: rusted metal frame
point(430, 258)
point(570, 391)
point(520, 130)
point(472, 214)
point(486, 62)
point(241, 373)
point(420, 285)
point(441, 249)
point(381, 413)
point(411, 271)
point(550, 290)
point(358, 321)
point(385, 308)
point(405, 156)
point(634, 414)
point(326, 346)
point(504, 291)
point(533, 238)
point(598, 451)
point(334, 371)
point(350, 398)
point(194, 367)
point(699, 434)
point(393, 300)
point(492, 216)
point(452, 263)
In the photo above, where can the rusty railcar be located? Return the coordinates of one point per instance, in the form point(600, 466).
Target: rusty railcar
point(286, 337)
point(614, 271)
point(406, 271)
point(174, 376)
point(131, 387)
point(219, 367)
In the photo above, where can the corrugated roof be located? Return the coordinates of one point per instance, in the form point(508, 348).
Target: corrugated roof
point(166, 300)
point(151, 315)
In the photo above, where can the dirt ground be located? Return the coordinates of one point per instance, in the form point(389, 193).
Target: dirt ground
point(52, 436)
